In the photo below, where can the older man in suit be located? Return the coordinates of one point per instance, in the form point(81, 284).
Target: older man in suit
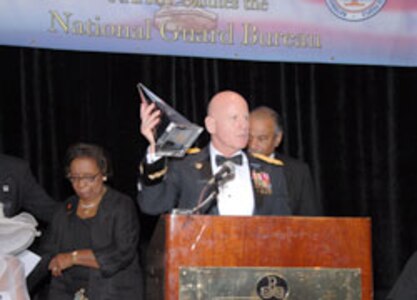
point(257, 187)
point(266, 135)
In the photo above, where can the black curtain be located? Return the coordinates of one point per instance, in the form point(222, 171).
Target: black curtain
point(354, 125)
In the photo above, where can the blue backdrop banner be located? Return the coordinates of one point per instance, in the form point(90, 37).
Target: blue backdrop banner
point(374, 32)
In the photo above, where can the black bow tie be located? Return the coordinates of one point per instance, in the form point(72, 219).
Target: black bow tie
point(237, 159)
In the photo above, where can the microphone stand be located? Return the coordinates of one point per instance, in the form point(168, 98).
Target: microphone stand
point(213, 183)
point(201, 202)
point(208, 199)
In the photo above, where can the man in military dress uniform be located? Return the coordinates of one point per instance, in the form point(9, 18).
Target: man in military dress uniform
point(266, 134)
point(258, 186)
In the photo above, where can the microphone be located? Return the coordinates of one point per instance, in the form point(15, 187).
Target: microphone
point(227, 169)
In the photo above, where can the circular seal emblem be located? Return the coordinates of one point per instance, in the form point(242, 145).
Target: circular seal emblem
point(355, 10)
point(272, 287)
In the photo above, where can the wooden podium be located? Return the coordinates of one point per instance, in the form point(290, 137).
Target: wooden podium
point(290, 242)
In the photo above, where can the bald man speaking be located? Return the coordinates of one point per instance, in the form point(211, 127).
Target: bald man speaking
point(256, 187)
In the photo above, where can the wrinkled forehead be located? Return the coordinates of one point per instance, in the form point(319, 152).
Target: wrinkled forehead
point(261, 121)
point(259, 126)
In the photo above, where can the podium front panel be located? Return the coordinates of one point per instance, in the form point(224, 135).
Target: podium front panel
point(240, 283)
point(192, 241)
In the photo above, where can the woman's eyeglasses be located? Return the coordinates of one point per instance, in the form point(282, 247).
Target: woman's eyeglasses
point(85, 178)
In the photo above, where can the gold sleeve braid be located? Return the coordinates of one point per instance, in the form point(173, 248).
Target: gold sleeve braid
point(158, 174)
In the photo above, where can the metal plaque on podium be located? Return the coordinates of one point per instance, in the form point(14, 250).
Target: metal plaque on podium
point(174, 134)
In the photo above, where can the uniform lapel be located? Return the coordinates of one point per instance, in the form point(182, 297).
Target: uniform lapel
point(255, 168)
point(203, 166)
point(290, 180)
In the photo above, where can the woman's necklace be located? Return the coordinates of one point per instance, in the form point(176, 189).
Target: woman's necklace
point(87, 209)
point(87, 206)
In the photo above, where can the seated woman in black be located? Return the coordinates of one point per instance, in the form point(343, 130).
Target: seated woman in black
point(94, 235)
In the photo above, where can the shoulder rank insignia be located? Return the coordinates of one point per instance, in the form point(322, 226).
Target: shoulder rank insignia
point(194, 150)
point(267, 159)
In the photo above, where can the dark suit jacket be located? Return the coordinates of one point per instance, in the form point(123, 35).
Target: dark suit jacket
point(303, 200)
point(405, 287)
point(114, 241)
point(19, 190)
point(178, 183)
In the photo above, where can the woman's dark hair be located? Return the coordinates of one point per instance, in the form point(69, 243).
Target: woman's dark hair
point(92, 151)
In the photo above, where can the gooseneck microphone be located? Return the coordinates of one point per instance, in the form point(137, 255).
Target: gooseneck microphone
point(211, 188)
point(227, 170)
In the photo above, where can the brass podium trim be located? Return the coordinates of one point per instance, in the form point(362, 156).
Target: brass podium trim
point(273, 283)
